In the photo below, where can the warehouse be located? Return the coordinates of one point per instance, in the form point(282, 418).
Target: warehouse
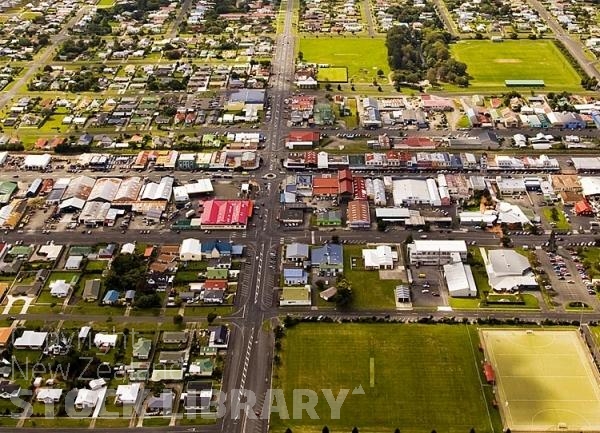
point(508, 270)
point(407, 192)
point(7, 189)
point(590, 186)
point(37, 162)
point(129, 189)
point(94, 213)
point(158, 191)
point(358, 215)
point(105, 189)
point(459, 280)
point(226, 214)
point(80, 187)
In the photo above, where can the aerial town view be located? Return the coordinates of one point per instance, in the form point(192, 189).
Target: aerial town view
point(300, 216)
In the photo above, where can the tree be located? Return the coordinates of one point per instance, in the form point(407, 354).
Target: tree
point(339, 87)
point(343, 297)
point(397, 430)
point(325, 429)
point(288, 430)
point(554, 214)
point(157, 388)
point(151, 300)
point(320, 284)
point(177, 319)
point(472, 430)
point(300, 55)
point(210, 317)
point(381, 225)
point(355, 429)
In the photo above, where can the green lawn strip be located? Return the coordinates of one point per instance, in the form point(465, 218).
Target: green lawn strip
point(559, 217)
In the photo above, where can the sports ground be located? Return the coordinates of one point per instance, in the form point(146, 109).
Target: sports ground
point(362, 56)
point(415, 377)
point(545, 380)
point(490, 63)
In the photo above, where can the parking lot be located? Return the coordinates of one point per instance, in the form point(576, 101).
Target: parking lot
point(427, 287)
point(568, 280)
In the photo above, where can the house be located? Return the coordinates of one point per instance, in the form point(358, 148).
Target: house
point(213, 296)
point(198, 396)
point(31, 340)
point(105, 341)
point(202, 367)
point(216, 249)
point(73, 263)
point(190, 250)
point(296, 252)
point(91, 290)
point(295, 276)
point(111, 297)
point(381, 257)
point(96, 384)
point(173, 357)
point(328, 294)
point(127, 394)
point(48, 395)
point(329, 259)
point(9, 390)
point(175, 337)
point(142, 348)
point(161, 405)
point(219, 337)
point(60, 288)
point(86, 398)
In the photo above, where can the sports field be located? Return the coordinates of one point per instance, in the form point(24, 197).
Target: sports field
point(545, 380)
point(490, 63)
point(415, 377)
point(362, 56)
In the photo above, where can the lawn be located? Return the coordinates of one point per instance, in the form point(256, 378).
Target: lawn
point(368, 291)
point(490, 63)
point(416, 378)
point(105, 4)
point(591, 261)
point(348, 52)
point(333, 75)
point(559, 218)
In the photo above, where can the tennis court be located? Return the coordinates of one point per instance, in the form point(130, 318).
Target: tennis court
point(545, 380)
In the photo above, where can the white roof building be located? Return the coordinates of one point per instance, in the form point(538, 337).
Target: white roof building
point(511, 214)
point(50, 251)
point(590, 186)
point(415, 191)
point(60, 288)
point(508, 270)
point(190, 250)
point(459, 279)
point(94, 212)
point(158, 191)
point(437, 252)
point(128, 248)
point(381, 257)
point(48, 395)
point(73, 262)
point(31, 340)
point(86, 399)
point(37, 162)
point(105, 340)
point(127, 394)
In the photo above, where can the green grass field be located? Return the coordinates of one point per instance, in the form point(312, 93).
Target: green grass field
point(334, 75)
point(561, 221)
point(416, 378)
point(544, 379)
point(348, 52)
point(490, 63)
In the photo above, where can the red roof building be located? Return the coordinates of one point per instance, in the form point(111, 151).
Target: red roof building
point(326, 185)
point(304, 135)
point(215, 285)
point(226, 214)
point(583, 207)
point(359, 188)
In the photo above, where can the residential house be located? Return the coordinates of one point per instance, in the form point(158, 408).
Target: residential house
point(48, 395)
point(86, 398)
point(161, 405)
point(219, 337)
point(198, 396)
point(142, 348)
point(175, 337)
point(111, 297)
point(9, 390)
point(60, 288)
point(127, 394)
point(91, 290)
point(31, 340)
point(296, 252)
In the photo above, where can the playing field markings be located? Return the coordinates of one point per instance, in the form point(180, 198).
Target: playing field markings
point(372, 372)
point(485, 402)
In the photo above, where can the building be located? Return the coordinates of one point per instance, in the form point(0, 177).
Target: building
point(60, 288)
point(296, 252)
point(459, 280)
point(358, 214)
point(295, 296)
point(48, 395)
point(104, 341)
point(91, 290)
point(190, 250)
point(127, 394)
point(142, 348)
point(436, 252)
point(198, 396)
point(328, 259)
point(86, 399)
point(508, 271)
point(31, 340)
point(381, 257)
point(226, 214)
point(219, 337)
point(294, 276)
point(407, 192)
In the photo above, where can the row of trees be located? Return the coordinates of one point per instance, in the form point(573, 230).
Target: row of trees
point(325, 429)
point(418, 55)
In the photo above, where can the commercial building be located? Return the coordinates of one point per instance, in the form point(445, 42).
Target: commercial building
point(459, 280)
point(407, 192)
point(190, 250)
point(436, 252)
point(508, 271)
point(226, 214)
point(295, 296)
point(358, 214)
